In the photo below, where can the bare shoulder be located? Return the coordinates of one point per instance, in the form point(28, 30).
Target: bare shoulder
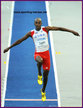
point(48, 28)
point(29, 34)
point(26, 36)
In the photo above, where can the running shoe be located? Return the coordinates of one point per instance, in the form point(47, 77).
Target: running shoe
point(39, 80)
point(43, 95)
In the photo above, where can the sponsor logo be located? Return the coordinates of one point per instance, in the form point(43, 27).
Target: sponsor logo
point(46, 67)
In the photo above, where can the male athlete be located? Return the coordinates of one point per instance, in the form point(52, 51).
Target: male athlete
point(41, 56)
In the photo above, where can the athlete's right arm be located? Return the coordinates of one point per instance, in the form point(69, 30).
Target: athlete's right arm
point(18, 41)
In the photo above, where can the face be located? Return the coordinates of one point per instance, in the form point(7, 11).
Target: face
point(38, 24)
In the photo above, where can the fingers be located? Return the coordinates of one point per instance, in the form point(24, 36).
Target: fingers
point(77, 34)
point(5, 50)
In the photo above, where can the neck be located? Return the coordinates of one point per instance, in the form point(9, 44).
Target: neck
point(38, 29)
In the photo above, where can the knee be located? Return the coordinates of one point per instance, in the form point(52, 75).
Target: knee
point(39, 60)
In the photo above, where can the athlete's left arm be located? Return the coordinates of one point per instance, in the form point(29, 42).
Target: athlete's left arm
point(48, 28)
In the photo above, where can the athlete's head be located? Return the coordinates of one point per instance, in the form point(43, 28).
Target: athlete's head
point(38, 23)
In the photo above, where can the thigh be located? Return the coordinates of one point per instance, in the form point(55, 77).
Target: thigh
point(46, 62)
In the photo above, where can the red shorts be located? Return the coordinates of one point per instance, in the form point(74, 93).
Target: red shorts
point(46, 59)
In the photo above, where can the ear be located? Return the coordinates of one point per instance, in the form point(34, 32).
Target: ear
point(34, 22)
point(41, 23)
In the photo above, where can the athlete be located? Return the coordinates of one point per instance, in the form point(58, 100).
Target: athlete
point(41, 56)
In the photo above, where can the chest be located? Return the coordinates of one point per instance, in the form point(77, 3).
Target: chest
point(40, 35)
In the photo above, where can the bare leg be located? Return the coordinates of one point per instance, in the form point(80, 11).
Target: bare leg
point(39, 64)
point(45, 79)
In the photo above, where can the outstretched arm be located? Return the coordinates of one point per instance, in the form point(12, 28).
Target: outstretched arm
point(48, 28)
point(18, 41)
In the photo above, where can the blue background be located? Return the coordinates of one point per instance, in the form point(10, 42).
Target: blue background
point(22, 73)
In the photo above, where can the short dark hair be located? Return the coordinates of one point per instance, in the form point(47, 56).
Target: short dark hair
point(37, 19)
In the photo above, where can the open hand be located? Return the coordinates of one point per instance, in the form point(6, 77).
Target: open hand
point(5, 50)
